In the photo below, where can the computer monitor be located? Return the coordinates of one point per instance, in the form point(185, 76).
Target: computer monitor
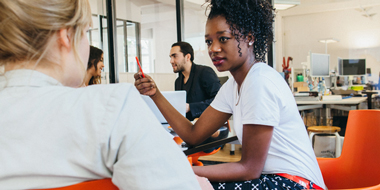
point(319, 65)
point(176, 98)
point(354, 67)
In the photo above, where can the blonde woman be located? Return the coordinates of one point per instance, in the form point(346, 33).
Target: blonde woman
point(95, 66)
point(54, 134)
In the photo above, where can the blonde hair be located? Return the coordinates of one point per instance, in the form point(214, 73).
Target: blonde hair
point(27, 27)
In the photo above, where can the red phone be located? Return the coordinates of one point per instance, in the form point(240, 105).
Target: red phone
point(138, 63)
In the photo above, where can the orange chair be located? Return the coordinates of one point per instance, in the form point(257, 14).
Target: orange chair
point(358, 166)
point(100, 184)
point(194, 157)
point(376, 187)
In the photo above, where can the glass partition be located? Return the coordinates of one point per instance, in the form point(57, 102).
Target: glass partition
point(97, 34)
point(120, 32)
point(132, 47)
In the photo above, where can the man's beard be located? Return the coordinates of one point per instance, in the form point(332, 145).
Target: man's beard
point(180, 68)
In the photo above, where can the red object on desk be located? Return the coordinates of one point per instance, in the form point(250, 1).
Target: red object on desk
point(285, 67)
point(138, 63)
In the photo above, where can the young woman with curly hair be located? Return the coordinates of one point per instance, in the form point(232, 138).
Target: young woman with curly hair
point(94, 66)
point(276, 151)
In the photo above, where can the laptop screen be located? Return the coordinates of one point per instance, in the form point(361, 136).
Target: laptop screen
point(176, 98)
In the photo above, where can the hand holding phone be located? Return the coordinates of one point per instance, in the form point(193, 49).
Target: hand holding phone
point(138, 63)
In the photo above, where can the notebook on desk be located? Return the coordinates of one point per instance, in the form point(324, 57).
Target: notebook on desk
point(176, 98)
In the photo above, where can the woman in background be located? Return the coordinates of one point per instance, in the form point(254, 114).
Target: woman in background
point(94, 67)
point(54, 134)
point(276, 151)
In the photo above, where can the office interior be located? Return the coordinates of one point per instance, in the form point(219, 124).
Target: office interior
point(341, 29)
point(346, 29)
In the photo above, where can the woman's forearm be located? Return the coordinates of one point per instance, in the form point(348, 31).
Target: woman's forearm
point(236, 171)
point(182, 126)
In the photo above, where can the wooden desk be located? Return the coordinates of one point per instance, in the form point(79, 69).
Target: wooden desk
point(224, 155)
point(344, 104)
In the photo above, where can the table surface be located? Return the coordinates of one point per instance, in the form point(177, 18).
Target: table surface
point(352, 100)
point(373, 92)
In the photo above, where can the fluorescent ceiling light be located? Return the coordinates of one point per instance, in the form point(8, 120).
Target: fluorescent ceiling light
point(283, 6)
point(329, 40)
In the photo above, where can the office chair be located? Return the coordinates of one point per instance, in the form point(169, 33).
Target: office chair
point(376, 187)
point(358, 165)
point(100, 184)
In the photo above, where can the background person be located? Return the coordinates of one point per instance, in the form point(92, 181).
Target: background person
point(200, 83)
point(95, 66)
point(276, 151)
point(54, 134)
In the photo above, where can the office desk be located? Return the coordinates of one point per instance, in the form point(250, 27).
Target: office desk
point(352, 103)
point(344, 104)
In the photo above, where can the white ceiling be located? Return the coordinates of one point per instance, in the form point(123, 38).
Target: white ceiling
point(317, 6)
point(303, 6)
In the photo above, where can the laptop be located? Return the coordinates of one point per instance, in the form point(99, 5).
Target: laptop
point(176, 98)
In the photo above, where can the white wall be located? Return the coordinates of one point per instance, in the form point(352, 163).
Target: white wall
point(164, 81)
point(161, 19)
point(125, 9)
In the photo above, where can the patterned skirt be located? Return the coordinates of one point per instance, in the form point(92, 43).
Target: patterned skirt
point(265, 182)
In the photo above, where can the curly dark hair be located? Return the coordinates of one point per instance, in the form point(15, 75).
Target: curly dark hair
point(254, 17)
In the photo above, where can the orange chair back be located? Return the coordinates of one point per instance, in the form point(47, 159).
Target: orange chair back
point(359, 164)
point(101, 184)
point(376, 187)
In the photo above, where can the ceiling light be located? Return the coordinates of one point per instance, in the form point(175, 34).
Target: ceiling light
point(329, 40)
point(285, 4)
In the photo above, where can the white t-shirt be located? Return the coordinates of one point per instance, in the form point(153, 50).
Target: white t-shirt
point(54, 136)
point(265, 99)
